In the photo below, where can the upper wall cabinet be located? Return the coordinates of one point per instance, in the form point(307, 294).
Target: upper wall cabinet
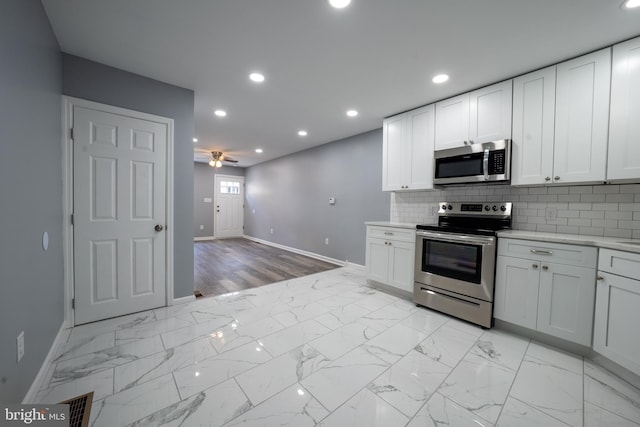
point(475, 117)
point(582, 118)
point(533, 127)
point(560, 120)
point(624, 125)
point(407, 144)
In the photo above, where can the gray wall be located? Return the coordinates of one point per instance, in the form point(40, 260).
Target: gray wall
point(291, 195)
point(203, 186)
point(97, 82)
point(31, 280)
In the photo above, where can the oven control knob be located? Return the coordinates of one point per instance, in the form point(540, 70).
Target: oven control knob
point(487, 208)
point(503, 208)
point(444, 207)
point(449, 207)
point(495, 208)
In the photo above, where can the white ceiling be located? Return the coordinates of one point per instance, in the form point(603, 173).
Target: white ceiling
point(377, 56)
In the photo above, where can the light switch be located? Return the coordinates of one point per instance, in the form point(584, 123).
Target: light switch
point(332, 200)
point(208, 200)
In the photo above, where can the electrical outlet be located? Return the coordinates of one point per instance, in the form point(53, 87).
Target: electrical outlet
point(271, 230)
point(20, 345)
point(434, 210)
point(201, 227)
point(326, 240)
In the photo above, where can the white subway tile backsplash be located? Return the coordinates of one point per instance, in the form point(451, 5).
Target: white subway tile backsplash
point(588, 189)
point(591, 231)
point(620, 215)
point(600, 210)
point(593, 198)
point(606, 189)
point(579, 222)
point(592, 214)
point(618, 232)
point(619, 198)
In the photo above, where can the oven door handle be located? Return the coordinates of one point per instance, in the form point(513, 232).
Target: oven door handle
point(485, 164)
point(456, 238)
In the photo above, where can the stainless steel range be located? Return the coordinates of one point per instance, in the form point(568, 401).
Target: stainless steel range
point(456, 259)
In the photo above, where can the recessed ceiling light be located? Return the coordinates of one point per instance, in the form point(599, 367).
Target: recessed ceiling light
point(220, 113)
point(630, 4)
point(258, 150)
point(256, 77)
point(195, 139)
point(339, 4)
point(302, 133)
point(352, 113)
point(440, 78)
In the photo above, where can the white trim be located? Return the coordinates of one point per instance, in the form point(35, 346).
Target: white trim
point(298, 251)
point(355, 266)
point(36, 385)
point(183, 300)
point(200, 239)
point(67, 193)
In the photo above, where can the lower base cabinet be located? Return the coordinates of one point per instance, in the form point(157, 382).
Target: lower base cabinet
point(551, 297)
point(390, 259)
point(617, 313)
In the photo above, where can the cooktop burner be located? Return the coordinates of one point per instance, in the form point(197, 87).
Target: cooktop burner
point(472, 218)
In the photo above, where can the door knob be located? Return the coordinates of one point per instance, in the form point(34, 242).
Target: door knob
point(158, 227)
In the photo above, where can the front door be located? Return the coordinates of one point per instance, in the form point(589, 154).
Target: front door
point(229, 211)
point(119, 209)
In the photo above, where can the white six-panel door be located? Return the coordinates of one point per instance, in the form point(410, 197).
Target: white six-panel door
point(229, 206)
point(119, 187)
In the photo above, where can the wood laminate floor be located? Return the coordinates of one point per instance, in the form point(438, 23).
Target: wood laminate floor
point(230, 265)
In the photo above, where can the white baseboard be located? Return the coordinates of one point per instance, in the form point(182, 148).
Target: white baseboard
point(297, 251)
point(183, 300)
point(356, 266)
point(36, 385)
point(200, 239)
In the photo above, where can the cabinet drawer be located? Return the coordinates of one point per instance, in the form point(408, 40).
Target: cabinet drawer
point(390, 233)
point(581, 256)
point(622, 263)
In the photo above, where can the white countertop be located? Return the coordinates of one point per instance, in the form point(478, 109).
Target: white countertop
point(391, 224)
point(618, 243)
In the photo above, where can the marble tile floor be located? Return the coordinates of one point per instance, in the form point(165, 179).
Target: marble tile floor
point(326, 350)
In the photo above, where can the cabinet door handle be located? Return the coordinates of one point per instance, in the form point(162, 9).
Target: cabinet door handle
point(548, 178)
point(556, 178)
point(388, 233)
point(545, 267)
point(534, 265)
point(539, 252)
point(599, 278)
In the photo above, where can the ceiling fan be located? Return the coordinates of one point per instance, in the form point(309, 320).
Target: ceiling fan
point(217, 157)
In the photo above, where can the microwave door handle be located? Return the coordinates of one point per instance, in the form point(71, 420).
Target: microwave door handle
point(485, 164)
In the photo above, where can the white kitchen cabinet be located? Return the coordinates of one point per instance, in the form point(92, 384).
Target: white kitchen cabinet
point(516, 295)
point(624, 122)
point(582, 118)
point(565, 302)
point(390, 256)
point(617, 316)
point(533, 127)
point(475, 117)
point(560, 122)
point(547, 287)
point(407, 162)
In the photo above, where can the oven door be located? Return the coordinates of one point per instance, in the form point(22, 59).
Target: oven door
point(464, 264)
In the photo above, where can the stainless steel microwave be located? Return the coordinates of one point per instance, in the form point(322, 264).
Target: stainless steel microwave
point(476, 163)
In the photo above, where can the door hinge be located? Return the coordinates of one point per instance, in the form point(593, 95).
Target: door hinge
point(73, 303)
point(71, 133)
point(71, 219)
